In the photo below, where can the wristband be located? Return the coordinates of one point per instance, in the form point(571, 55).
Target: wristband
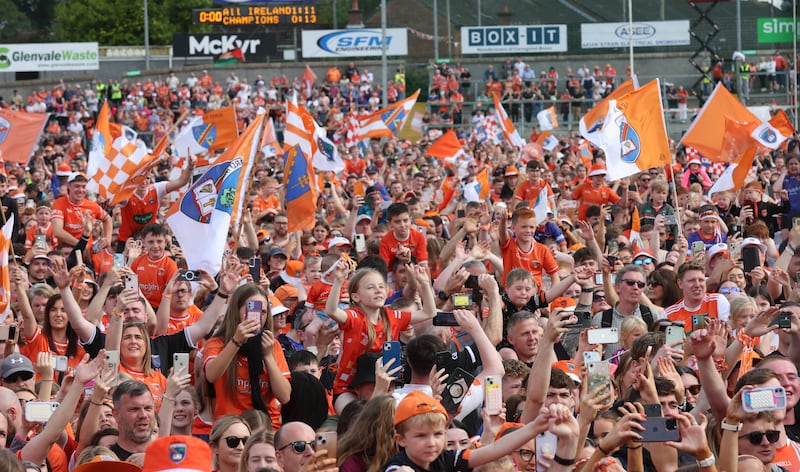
point(634, 448)
point(562, 461)
point(165, 397)
point(600, 448)
point(95, 404)
point(707, 462)
point(222, 295)
point(587, 290)
point(234, 342)
point(730, 427)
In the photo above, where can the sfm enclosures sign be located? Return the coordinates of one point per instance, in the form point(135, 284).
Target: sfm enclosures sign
point(513, 39)
point(209, 45)
point(354, 42)
point(49, 56)
point(619, 35)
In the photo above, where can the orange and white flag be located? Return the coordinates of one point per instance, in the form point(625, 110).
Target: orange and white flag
point(592, 121)
point(547, 119)
point(5, 276)
point(774, 132)
point(505, 124)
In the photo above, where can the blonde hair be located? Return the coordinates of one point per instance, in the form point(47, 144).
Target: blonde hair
point(352, 287)
point(260, 437)
point(428, 420)
point(741, 304)
point(91, 452)
point(219, 428)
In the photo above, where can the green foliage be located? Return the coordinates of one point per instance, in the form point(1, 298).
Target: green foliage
point(12, 20)
point(417, 78)
point(114, 23)
point(39, 12)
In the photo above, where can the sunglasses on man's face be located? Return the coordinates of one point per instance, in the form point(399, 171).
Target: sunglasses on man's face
point(631, 283)
point(756, 437)
point(14, 378)
point(298, 446)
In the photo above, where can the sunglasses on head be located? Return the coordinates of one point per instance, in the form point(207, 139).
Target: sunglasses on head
point(631, 283)
point(298, 446)
point(233, 441)
point(756, 437)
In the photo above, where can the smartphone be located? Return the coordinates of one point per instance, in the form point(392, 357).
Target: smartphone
point(613, 245)
point(660, 430)
point(612, 260)
point(590, 356)
point(391, 351)
point(735, 250)
point(112, 364)
point(132, 282)
point(652, 410)
point(670, 219)
point(699, 321)
point(764, 399)
point(546, 444)
point(462, 300)
point(796, 223)
point(493, 395)
point(603, 336)
point(39, 412)
point(599, 375)
point(446, 360)
point(60, 363)
point(119, 261)
point(460, 214)
point(444, 318)
point(358, 188)
point(327, 441)
point(180, 361)
point(4, 331)
point(12, 335)
point(189, 275)
point(79, 256)
point(456, 389)
point(674, 334)
point(698, 247)
point(783, 320)
point(598, 278)
point(733, 229)
point(253, 311)
point(40, 240)
point(751, 258)
point(254, 265)
point(360, 242)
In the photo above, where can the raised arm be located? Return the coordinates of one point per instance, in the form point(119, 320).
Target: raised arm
point(20, 284)
point(420, 272)
point(184, 178)
point(493, 324)
point(176, 382)
point(94, 312)
point(490, 358)
point(58, 270)
point(339, 273)
point(229, 280)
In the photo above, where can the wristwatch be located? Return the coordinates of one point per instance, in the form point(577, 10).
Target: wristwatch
point(708, 462)
point(730, 427)
point(562, 461)
point(442, 295)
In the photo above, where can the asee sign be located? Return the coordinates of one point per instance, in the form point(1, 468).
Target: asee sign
point(513, 39)
point(354, 42)
point(643, 34)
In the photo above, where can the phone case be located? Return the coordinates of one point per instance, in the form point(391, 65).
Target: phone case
point(39, 412)
point(493, 397)
point(660, 429)
point(546, 444)
point(603, 336)
point(699, 321)
point(132, 282)
point(599, 375)
point(60, 363)
point(764, 399)
point(391, 350)
point(674, 334)
point(180, 360)
point(591, 356)
point(456, 389)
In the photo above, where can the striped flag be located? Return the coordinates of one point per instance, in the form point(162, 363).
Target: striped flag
point(117, 162)
point(547, 119)
point(353, 126)
point(387, 121)
point(592, 121)
point(505, 124)
point(736, 174)
point(5, 277)
point(214, 130)
point(479, 189)
point(200, 219)
point(302, 130)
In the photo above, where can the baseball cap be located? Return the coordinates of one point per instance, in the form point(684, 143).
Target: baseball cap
point(286, 291)
point(15, 363)
point(716, 249)
point(262, 235)
point(508, 428)
point(277, 251)
point(643, 253)
point(597, 169)
point(294, 270)
point(417, 403)
point(563, 303)
point(372, 170)
point(275, 306)
point(754, 242)
point(363, 217)
point(694, 160)
point(77, 177)
point(569, 368)
point(511, 171)
point(338, 241)
point(63, 169)
point(178, 454)
point(103, 463)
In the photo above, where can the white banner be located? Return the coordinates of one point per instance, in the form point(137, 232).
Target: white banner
point(513, 39)
point(651, 33)
point(354, 42)
point(48, 56)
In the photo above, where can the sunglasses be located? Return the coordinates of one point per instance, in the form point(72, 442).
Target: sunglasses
point(756, 437)
point(597, 297)
point(644, 261)
point(654, 283)
point(694, 389)
point(298, 446)
point(631, 283)
point(24, 376)
point(233, 441)
point(727, 290)
point(526, 454)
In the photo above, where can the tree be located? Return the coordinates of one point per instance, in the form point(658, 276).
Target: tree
point(12, 21)
point(39, 12)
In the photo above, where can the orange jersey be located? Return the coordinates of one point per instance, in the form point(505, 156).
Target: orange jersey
point(788, 456)
point(355, 167)
point(714, 305)
point(71, 214)
point(138, 212)
point(156, 382)
point(355, 339)
point(415, 241)
point(33, 231)
point(528, 192)
point(589, 196)
point(39, 343)
point(227, 405)
point(153, 276)
point(178, 324)
point(535, 261)
point(319, 292)
point(260, 204)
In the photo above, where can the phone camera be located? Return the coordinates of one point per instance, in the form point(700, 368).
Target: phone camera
point(455, 390)
point(190, 276)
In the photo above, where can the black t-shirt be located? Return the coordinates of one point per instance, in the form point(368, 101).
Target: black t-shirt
point(446, 462)
point(121, 453)
point(161, 348)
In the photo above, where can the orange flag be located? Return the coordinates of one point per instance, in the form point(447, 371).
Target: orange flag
point(19, 134)
point(592, 121)
point(446, 147)
point(5, 278)
point(706, 135)
point(301, 196)
point(774, 132)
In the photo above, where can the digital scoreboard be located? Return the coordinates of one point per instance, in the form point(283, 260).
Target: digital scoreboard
point(257, 15)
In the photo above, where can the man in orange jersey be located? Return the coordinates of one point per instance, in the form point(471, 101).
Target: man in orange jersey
point(154, 267)
point(142, 208)
point(67, 210)
point(695, 301)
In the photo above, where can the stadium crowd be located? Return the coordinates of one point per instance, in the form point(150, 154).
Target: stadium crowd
point(413, 328)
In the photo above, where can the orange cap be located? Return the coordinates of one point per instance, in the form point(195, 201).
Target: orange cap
point(103, 463)
point(177, 454)
point(564, 303)
point(417, 403)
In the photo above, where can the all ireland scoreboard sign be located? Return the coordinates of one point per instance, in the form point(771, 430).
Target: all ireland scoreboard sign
point(42, 57)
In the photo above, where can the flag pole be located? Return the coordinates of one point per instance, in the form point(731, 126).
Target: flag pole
point(249, 181)
point(671, 169)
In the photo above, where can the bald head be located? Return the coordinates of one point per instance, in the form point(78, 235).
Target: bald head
point(9, 404)
point(291, 454)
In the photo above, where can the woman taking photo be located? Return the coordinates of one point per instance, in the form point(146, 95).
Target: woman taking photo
point(244, 352)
